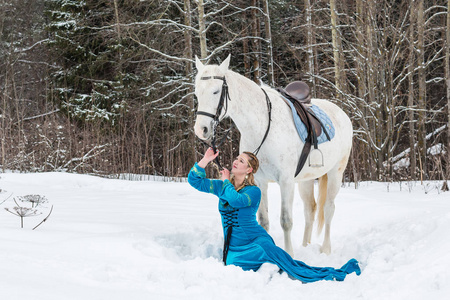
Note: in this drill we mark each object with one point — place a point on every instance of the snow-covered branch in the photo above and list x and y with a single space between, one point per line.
42 115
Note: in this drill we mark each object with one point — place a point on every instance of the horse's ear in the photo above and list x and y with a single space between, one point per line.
198 64
226 63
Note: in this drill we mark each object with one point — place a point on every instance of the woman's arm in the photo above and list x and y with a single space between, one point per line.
251 196
197 179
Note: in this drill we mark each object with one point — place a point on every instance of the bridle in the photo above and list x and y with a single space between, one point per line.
224 98
223 102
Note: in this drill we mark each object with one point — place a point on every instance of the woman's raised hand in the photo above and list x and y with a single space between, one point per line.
208 157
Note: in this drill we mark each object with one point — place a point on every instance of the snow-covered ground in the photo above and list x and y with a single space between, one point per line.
117 239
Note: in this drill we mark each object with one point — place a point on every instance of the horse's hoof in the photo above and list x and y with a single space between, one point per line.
306 243
325 249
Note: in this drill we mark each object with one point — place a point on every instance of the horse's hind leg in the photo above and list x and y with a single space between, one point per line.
263 211
306 191
287 198
333 184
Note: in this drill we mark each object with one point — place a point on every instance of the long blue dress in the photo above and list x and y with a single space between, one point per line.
247 244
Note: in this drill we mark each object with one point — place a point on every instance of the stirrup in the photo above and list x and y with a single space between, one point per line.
317 161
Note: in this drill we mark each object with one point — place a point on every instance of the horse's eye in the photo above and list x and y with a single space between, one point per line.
216 92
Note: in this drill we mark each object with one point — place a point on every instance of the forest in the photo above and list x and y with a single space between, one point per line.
106 87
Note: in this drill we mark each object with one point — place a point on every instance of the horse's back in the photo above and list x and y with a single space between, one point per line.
340 119
331 109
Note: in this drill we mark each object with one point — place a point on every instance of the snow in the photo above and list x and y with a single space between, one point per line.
402 160
118 239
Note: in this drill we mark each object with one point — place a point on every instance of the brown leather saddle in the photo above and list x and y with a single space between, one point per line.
298 94
299 90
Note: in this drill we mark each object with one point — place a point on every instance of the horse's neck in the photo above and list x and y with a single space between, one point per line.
248 107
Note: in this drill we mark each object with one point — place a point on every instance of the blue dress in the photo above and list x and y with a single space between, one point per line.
247 244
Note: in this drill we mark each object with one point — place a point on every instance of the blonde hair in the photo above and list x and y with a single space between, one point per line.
253 163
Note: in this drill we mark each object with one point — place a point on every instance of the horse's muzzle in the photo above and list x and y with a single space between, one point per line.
203 132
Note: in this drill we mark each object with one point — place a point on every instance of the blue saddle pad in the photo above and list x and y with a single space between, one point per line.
321 115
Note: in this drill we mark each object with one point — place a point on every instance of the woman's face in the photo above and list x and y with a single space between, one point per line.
241 165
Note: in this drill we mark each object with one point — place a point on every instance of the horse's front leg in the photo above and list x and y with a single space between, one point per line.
263 211
287 199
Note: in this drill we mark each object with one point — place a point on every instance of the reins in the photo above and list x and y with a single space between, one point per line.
223 102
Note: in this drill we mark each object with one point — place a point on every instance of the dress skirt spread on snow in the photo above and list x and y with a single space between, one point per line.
246 243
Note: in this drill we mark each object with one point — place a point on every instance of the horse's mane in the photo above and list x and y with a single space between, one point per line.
270 90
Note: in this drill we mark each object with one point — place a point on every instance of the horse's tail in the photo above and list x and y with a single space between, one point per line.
323 182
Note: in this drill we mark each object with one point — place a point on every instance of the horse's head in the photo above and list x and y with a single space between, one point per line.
208 88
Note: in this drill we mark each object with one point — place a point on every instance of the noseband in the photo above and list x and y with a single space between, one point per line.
223 101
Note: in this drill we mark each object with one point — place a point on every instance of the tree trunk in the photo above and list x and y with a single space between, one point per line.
268 31
202 29
371 78
336 49
116 13
4 116
256 43
358 150
310 39
188 53
422 88
119 36
360 55
412 120
447 77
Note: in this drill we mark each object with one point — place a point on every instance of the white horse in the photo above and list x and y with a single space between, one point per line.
281 150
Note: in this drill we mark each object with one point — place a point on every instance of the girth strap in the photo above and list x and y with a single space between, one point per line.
310 139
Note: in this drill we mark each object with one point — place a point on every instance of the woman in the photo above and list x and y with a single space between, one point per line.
246 243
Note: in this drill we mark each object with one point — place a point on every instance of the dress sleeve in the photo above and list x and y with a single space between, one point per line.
197 179
251 196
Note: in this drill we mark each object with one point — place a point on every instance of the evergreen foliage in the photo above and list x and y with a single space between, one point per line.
89 84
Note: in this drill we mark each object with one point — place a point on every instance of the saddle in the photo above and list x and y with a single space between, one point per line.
298 93
299 90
